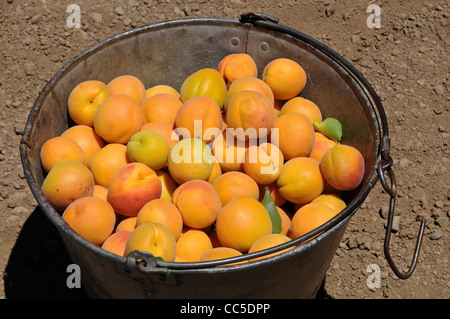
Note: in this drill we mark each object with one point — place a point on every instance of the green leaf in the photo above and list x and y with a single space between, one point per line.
330 127
272 210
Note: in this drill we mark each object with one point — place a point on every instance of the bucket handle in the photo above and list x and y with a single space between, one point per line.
385 163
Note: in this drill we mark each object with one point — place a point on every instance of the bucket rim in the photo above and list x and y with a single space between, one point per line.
360 82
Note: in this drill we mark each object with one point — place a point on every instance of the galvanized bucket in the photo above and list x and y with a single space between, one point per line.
165 53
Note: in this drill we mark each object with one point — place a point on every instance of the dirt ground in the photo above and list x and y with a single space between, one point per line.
405 60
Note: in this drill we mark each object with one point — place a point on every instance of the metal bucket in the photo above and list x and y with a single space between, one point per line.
165 53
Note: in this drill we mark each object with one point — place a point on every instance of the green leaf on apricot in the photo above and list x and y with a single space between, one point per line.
272 210
330 127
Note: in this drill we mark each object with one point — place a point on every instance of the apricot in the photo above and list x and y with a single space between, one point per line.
309 217
216 172
285 221
237 65
247 83
150 148
128 85
161 88
229 152
162 128
190 159
241 222
233 184
126 224
92 218
331 200
250 114
303 106
86 138
67 181
198 202
192 244
201 117
161 107
168 185
204 82
294 135
59 148
277 199
131 187
342 166
300 180
84 100
118 118
269 241
263 163
100 192
161 211
217 253
285 77
117 242
106 161
154 238
321 145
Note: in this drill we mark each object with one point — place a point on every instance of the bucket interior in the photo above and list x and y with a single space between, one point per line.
166 53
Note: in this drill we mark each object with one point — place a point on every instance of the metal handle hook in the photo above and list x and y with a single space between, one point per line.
386 164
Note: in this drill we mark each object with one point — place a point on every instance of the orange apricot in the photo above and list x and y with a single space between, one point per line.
92 218
229 151
263 163
100 192
294 135
118 118
303 106
86 137
309 217
154 238
198 203
161 88
128 85
342 166
233 184
217 253
241 222
126 224
333 201
67 181
321 145
59 148
237 65
285 77
201 117
269 241
192 244
84 100
300 180
251 115
250 83
161 211
161 107
106 161
131 187
168 185
117 242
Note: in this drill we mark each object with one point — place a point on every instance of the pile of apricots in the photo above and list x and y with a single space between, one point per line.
229 164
